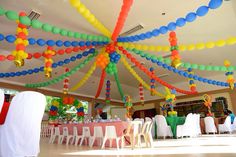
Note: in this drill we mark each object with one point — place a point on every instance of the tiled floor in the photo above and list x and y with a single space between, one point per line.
204 146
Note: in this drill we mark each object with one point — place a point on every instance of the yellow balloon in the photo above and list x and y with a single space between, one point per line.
144 47
166 48
191 47
226 63
151 48
158 48
210 44
200 46
81 8
220 43
138 46
14 53
182 47
231 41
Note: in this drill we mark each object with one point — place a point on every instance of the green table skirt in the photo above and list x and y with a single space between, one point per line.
173 122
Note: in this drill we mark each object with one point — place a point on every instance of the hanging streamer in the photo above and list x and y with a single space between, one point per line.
81 8
152 81
66 82
141 95
229 74
48 61
121 19
128 105
103 75
21 42
108 92
175 57
192 85
85 78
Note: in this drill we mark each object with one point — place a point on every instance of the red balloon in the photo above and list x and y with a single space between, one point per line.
37 55
21 35
29 56
60 52
22 13
172 34
68 50
10 57
2 58
76 49
48 64
20 47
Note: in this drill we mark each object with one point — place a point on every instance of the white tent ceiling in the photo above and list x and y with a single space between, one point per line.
217 24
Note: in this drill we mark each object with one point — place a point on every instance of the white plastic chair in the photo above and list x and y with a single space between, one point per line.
163 129
143 133
233 126
110 134
51 133
56 134
209 125
139 119
97 133
198 126
149 138
65 135
85 135
187 129
226 127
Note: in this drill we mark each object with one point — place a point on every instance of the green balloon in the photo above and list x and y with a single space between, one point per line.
64 32
231 68
187 65
90 37
216 68
12 15
2 11
83 36
223 68
36 24
77 35
167 61
194 66
100 38
94 38
208 67
47 28
202 67
160 59
55 30
25 20
70 34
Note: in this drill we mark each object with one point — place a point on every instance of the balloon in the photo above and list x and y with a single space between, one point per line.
201 11
190 17
47 27
163 29
36 24
180 22
12 15
213 4
25 20
171 26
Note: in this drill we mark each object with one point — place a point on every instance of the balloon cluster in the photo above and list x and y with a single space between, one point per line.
102 60
180 22
68 100
54 109
121 19
175 57
208 103
170 99
48 61
111 68
66 82
192 85
128 105
80 111
21 42
152 81
114 57
108 90
229 74
141 95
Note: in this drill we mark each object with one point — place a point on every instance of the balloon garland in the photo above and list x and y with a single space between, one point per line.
141 67
63 76
121 19
192 85
53 113
80 111
85 78
12 15
175 57
128 105
54 65
108 90
21 42
81 8
48 61
138 78
170 99
186 65
141 95
66 82
182 48
229 74
180 22
102 78
185 74
152 82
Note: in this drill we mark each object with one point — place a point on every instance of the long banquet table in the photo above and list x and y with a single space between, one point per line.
119 125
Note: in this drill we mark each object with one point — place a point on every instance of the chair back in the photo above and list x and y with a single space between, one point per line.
86 131
136 126
98 131
227 123
110 132
75 131
65 131
148 119
145 127
139 119
160 121
209 125
57 131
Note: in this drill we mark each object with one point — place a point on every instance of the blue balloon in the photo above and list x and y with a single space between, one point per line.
88 43
156 32
185 74
81 43
190 69
171 26
1 37
24 72
59 43
213 4
163 29
180 22
92 50
148 35
17 73
41 68
165 66
78 56
209 81
170 68
173 91
195 77
190 17
190 76
36 70
152 80
202 11
32 41
73 58
54 65
213 82
60 63
7 74
142 36
2 75
41 42
12 74
74 43
10 38
191 82
67 43
50 43
152 86
205 80
94 43
85 53
175 70
67 61
30 71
